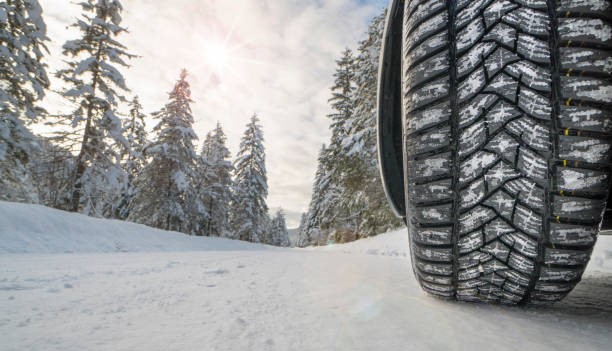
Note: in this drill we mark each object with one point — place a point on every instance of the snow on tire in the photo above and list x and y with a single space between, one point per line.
506 208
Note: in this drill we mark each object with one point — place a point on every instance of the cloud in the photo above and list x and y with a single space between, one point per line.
281 63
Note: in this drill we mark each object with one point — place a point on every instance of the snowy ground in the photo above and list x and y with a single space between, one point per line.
180 293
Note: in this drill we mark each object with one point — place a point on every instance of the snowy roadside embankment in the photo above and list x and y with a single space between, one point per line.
38 229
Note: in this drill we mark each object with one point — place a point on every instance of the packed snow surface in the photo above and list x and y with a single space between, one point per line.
69 282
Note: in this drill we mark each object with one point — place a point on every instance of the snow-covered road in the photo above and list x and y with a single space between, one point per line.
359 296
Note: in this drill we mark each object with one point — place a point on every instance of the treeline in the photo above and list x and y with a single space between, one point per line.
101 161
348 201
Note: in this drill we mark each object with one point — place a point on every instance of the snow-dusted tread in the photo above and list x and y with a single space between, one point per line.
508 133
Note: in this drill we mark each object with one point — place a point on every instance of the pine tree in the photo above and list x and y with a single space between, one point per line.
23 81
91 82
132 159
303 238
249 210
215 179
164 195
368 204
348 200
278 229
324 212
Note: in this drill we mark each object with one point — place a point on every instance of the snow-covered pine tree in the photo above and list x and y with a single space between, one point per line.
303 238
92 80
216 183
329 204
367 202
348 200
132 159
52 167
249 210
164 195
325 209
278 230
23 81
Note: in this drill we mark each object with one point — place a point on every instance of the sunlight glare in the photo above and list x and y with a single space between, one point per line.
217 56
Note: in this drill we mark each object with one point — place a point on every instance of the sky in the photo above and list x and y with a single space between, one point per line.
275 58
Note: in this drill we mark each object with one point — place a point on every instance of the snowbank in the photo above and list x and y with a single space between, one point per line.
37 229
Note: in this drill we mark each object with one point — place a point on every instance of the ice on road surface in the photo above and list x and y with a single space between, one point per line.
191 296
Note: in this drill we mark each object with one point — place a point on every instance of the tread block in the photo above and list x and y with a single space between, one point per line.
470 35
571 234
436 279
531 75
502 34
433 254
528 191
521 243
432 44
433 166
499 59
472 85
531 133
503 85
426 70
437 289
503 145
586 89
529 20
474 166
521 263
559 274
578 208
502 203
472 138
583 5
585 30
423 10
528 221
516 277
432 236
532 164
583 60
428 117
435 268
473 259
534 104
472 195
432 140
534 49
467 274
584 149
434 191
500 114
497 250
428 93
474 218
472 110
473 58
496 229
497 10
553 287
433 214
426 29
586 118
566 257
500 174
470 242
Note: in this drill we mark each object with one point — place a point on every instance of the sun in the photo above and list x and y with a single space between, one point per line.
216 55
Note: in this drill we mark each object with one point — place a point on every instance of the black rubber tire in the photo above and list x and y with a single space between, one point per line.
507 136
